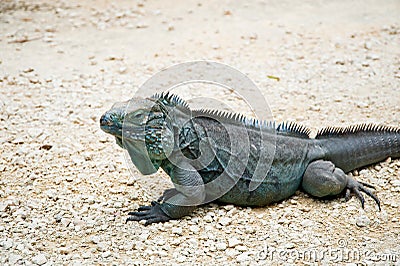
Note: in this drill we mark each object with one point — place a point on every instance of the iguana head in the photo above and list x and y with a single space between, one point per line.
144 127
112 121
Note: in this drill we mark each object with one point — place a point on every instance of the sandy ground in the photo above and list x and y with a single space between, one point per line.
65 186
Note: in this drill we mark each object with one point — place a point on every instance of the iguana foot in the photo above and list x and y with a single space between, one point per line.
357 187
169 193
151 214
323 178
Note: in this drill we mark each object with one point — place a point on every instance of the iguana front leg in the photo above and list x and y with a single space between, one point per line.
188 193
322 178
167 194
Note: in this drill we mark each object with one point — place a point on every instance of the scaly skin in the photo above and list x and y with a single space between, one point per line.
213 156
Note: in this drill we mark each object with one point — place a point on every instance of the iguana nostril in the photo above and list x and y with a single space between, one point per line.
103 120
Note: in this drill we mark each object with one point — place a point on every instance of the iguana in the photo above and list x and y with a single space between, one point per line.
162 131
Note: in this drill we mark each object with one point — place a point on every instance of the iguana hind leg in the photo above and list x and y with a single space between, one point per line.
323 178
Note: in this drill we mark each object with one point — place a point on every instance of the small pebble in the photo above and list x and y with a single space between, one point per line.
7 243
194 228
13 258
233 242
224 221
221 246
177 230
39 259
363 221
243 257
106 254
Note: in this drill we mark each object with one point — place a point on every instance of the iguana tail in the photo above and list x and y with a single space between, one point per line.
356 146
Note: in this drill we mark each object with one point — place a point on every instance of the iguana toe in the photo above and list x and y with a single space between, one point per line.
357 187
144 208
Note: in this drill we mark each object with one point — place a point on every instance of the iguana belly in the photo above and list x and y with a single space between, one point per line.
278 185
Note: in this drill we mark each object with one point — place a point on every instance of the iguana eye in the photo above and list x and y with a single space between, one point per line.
138 115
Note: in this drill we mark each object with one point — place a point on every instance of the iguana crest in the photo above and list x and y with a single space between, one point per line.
285 128
361 129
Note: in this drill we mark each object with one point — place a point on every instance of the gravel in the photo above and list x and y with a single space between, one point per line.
66 187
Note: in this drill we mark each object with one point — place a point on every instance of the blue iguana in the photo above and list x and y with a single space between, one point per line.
162 131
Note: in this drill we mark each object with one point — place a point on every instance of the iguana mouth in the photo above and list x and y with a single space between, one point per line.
108 125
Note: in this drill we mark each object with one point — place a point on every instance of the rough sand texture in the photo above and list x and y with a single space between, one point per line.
65 187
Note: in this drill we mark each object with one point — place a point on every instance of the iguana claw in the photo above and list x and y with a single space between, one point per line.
358 187
151 214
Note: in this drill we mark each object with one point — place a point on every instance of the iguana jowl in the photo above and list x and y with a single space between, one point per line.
161 131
